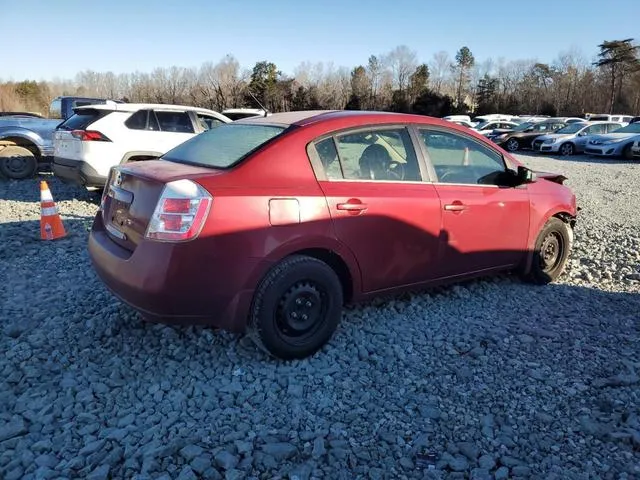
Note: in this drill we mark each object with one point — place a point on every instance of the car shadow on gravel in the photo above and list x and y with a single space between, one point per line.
28 190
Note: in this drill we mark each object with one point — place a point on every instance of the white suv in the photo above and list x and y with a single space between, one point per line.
98 137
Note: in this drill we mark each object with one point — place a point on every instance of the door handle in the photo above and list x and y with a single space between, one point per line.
455 207
352 207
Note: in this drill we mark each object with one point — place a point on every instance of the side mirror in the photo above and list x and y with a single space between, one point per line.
524 175
530 129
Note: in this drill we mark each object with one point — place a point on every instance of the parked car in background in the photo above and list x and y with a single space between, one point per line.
239 113
21 114
605 117
486 127
30 142
463 123
458 118
494 117
521 136
265 224
62 107
99 137
572 138
615 144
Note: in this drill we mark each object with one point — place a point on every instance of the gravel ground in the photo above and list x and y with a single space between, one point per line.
490 379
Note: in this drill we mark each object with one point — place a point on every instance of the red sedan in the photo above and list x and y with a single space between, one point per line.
270 224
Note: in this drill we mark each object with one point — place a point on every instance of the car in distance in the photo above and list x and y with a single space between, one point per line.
485 128
523 135
615 144
270 224
572 138
98 137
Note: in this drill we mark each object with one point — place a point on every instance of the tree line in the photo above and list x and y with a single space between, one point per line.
394 81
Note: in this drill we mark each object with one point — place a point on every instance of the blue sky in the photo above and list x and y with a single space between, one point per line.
59 38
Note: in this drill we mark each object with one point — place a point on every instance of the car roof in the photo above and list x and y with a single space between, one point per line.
307 117
134 107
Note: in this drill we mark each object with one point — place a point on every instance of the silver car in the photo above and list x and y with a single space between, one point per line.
573 138
615 144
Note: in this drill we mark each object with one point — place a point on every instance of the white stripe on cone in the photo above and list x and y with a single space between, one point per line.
46 196
48 211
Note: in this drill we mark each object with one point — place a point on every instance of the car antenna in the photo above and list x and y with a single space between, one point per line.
258 102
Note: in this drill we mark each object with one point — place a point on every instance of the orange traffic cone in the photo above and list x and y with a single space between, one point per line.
51 226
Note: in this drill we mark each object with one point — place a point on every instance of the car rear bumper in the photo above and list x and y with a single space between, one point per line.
170 283
77 171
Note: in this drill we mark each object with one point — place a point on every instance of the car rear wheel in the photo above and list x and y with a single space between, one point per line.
551 252
17 163
296 308
627 154
566 149
513 145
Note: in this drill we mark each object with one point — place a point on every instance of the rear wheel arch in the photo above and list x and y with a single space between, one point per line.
337 264
24 143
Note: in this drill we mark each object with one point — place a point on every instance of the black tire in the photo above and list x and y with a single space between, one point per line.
296 308
567 149
17 163
551 252
513 145
627 154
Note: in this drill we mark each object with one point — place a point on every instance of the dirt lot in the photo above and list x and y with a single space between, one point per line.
494 378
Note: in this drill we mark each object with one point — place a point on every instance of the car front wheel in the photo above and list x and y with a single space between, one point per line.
566 149
550 253
296 308
513 145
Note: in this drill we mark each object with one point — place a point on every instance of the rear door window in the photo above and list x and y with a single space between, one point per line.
379 154
178 122
83 118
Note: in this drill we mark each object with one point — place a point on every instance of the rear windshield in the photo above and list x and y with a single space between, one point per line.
224 146
82 119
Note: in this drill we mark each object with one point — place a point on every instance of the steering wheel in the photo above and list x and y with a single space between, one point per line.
446 174
396 170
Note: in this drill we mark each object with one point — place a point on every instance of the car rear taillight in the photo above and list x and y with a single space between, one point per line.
89 136
180 213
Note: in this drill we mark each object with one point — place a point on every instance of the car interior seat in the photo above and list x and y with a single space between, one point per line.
374 163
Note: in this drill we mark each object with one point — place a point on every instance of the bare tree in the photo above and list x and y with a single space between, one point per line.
439 67
402 61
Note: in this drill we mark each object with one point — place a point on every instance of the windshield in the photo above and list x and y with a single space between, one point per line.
572 128
223 146
523 126
482 125
631 128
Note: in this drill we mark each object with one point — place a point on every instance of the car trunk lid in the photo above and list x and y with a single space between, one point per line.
132 193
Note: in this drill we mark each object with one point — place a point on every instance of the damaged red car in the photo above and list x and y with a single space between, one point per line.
269 225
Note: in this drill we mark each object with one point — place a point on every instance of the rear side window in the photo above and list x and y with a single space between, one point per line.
178 122
83 118
208 122
224 146
143 120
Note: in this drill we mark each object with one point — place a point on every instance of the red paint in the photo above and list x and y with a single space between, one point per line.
390 235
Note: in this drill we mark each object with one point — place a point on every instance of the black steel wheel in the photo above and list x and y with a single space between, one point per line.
296 308
17 162
551 252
